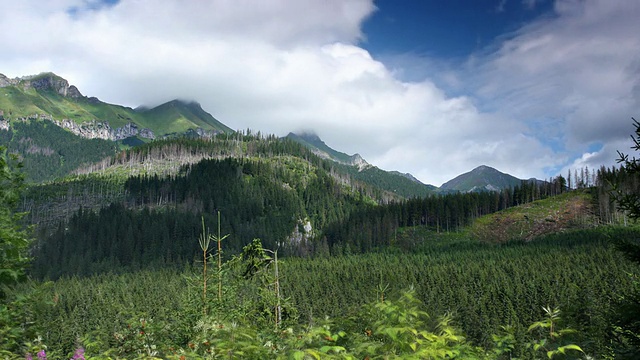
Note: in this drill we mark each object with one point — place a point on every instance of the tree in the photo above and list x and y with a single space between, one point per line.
14 241
628 310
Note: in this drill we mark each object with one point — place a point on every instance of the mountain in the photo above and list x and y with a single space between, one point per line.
170 117
318 147
482 178
48 96
404 185
407 175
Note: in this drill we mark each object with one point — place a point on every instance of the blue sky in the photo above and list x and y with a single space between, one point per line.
445 29
431 87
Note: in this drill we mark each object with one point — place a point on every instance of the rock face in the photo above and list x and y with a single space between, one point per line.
49 81
302 232
73 92
44 81
5 81
102 130
359 162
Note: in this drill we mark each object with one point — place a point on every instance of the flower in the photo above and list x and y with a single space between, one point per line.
42 355
79 354
28 356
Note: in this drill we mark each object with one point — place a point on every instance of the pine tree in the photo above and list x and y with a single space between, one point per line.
13 238
628 311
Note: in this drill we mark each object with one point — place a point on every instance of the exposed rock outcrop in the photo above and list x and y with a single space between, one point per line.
102 130
44 81
359 162
50 81
5 81
302 232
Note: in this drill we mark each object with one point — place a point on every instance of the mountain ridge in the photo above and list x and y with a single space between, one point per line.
313 142
51 97
405 185
47 96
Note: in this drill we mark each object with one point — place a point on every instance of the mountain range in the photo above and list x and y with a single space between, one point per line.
49 97
30 100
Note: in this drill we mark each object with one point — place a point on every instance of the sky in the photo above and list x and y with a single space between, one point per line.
434 88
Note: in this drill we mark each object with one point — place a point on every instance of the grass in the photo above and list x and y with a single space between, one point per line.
170 118
570 210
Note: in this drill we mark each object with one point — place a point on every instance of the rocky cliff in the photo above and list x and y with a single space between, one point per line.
102 130
44 81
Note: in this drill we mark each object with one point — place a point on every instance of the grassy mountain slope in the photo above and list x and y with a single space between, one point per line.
175 116
52 95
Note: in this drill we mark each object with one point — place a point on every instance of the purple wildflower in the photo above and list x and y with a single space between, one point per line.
79 354
42 355
28 357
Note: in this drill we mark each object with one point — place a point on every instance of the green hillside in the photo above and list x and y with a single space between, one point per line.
50 96
176 116
568 211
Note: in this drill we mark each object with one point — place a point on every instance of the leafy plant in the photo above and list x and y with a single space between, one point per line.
552 339
403 330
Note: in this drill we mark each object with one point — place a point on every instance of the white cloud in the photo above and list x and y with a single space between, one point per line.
578 69
280 66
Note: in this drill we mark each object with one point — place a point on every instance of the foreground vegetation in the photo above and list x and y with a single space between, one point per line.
466 298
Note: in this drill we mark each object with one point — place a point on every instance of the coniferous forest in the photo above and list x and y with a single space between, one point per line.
249 246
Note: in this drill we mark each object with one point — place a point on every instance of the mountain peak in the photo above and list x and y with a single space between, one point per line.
309 136
408 176
43 82
482 178
52 97
313 142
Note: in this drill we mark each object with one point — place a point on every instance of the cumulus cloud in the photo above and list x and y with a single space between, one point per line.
279 66
578 67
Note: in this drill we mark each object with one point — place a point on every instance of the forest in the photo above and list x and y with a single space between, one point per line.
306 261
48 151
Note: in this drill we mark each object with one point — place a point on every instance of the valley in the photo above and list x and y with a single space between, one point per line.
180 238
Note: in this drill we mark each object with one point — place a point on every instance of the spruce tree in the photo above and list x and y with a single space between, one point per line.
628 310
13 238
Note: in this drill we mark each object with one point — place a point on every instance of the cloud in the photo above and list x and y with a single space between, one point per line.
527 108
577 69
